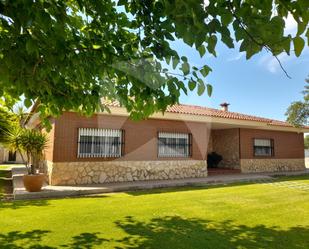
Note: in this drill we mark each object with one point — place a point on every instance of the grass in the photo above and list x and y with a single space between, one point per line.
9 166
243 216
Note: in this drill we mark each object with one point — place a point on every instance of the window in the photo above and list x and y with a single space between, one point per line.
100 142
263 147
174 144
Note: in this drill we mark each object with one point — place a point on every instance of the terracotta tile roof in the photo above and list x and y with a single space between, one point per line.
211 112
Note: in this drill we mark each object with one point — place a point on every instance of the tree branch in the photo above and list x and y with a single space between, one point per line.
268 49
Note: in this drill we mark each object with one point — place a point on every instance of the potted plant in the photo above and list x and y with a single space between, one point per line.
30 144
33 144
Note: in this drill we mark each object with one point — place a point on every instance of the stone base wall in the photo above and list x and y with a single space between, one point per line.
271 165
72 173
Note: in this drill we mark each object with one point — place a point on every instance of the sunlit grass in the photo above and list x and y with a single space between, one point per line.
9 166
248 215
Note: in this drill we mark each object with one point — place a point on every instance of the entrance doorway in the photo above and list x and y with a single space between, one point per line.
12 156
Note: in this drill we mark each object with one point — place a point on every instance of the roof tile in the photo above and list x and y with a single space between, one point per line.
211 112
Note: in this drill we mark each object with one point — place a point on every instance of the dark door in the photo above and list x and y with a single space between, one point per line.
12 156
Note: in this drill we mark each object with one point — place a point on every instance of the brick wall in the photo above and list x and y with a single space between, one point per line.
288 151
286 144
140 137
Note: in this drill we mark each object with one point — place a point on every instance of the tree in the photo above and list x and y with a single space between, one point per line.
68 54
298 111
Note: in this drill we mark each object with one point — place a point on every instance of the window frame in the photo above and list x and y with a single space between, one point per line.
272 147
99 132
188 144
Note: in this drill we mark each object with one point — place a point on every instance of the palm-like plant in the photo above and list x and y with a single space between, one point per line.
7 121
32 143
15 137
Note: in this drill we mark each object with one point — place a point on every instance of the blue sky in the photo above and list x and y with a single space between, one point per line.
257 86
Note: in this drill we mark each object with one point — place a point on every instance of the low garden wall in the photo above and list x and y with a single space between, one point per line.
73 173
271 165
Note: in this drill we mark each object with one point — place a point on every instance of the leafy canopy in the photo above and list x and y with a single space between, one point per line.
298 111
69 54
7 121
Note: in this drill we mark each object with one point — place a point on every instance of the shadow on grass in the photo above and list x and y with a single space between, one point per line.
18 239
33 240
21 204
179 233
16 204
171 232
85 241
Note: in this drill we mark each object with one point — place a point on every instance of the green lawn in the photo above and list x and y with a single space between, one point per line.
271 215
9 166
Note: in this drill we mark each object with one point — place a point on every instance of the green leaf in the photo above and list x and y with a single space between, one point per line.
205 70
96 46
175 61
27 103
185 68
169 36
212 42
122 2
200 87
31 46
201 49
287 44
191 85
168 59
299 44
184 58
209 90
249 47
307 34
228 41
301 27
238 31
182 86
226 18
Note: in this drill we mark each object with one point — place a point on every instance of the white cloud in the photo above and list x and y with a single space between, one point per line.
271 64
237 57
290 25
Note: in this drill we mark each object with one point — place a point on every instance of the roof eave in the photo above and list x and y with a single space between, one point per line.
120 111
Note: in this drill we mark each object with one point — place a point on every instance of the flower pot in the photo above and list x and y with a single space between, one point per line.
33 183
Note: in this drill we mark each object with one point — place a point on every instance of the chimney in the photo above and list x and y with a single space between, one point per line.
225 107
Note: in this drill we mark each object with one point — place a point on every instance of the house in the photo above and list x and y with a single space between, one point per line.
7 156
112 148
